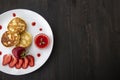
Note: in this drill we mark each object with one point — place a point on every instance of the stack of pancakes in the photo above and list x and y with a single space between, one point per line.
16 34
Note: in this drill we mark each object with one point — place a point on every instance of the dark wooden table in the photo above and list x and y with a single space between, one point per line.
87 39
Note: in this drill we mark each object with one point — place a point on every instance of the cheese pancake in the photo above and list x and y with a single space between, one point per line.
17 25
25 40
10 38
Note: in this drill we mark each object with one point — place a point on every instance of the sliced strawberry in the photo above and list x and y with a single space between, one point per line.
19 63
25 63
13 62
31 60
6 59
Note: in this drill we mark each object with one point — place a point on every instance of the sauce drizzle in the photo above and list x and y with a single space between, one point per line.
40 29
38 54
0 53
33 23
0 27
14 15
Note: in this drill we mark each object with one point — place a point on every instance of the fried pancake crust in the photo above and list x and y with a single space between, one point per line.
17 25
10 38
25 39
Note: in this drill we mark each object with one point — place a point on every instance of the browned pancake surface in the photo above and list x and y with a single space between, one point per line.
17 25
10 38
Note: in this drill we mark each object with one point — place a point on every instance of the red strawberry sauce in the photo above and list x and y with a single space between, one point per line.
0 27
33 23
41 40
0 53
14 15
40 29
38 54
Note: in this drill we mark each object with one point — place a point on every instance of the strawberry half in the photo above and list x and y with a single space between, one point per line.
19 64
19 52
31 60
13 62
25 62
6 59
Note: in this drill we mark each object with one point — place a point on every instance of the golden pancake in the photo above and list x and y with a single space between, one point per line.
25 40
10 38
17 25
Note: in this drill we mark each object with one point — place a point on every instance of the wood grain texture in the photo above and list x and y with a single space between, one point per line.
86 33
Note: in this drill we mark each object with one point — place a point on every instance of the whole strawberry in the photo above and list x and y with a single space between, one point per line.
19 52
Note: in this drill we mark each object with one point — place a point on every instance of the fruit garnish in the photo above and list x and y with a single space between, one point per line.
31 60
19 63
19 52
13 62
17 25
25 62
41 40
10 38
25 40
6 59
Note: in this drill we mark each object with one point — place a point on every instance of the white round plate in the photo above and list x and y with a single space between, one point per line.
29 17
